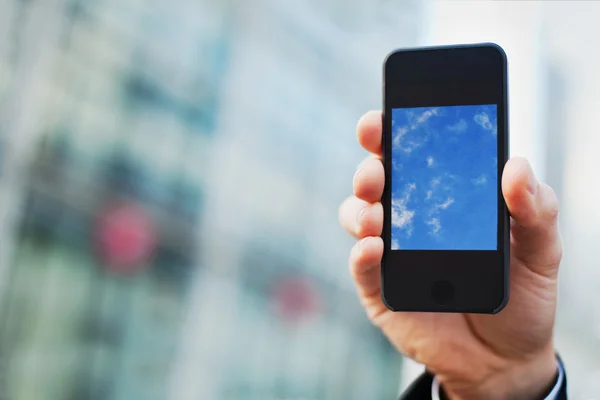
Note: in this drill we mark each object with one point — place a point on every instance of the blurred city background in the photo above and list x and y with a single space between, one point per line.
170 173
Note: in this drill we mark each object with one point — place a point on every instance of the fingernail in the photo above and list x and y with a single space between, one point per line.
359 169
532 182
357 248
362 243
360 217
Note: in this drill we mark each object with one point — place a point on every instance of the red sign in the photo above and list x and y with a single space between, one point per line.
296 299
125 237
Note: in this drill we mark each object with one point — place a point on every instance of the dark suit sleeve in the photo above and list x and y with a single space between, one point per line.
421 389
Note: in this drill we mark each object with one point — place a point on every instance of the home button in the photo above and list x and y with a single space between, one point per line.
442 292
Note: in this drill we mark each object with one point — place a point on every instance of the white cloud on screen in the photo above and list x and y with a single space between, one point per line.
426 115
400 132
429 161
447 203
438 198
483 120
395 245
410 146
399 141
433 184
434 222
435 225
482 180
402 216
458 127
442 206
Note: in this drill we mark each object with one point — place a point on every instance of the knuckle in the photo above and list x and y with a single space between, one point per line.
354 254
555 252
551 206
344 211
355 258
341 209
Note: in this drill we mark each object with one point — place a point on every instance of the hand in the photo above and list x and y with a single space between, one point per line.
509 355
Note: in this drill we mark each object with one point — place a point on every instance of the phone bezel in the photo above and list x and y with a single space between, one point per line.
442 76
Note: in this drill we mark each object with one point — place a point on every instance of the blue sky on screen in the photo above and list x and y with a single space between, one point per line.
444 178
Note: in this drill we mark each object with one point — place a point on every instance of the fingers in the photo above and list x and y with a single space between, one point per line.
362 215
533 207
369 180
360 218
365 265
368 132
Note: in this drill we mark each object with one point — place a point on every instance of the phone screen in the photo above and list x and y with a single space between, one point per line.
445 143
444 178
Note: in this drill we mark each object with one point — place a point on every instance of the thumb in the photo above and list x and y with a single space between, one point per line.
535 239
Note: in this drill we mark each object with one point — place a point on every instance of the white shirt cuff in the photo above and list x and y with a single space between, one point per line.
435 386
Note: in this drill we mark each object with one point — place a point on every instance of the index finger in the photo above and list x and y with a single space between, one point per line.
368 132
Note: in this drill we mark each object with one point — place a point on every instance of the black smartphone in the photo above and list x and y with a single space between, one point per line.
445 143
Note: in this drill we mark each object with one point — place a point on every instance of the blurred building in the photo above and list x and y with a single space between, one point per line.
572 32
170 188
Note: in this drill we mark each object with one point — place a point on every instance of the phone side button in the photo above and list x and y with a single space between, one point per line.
442 292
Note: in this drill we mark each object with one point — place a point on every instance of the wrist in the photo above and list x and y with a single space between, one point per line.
530 380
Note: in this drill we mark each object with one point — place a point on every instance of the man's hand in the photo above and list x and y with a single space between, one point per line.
505 356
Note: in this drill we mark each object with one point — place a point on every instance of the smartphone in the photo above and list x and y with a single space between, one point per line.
445 143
